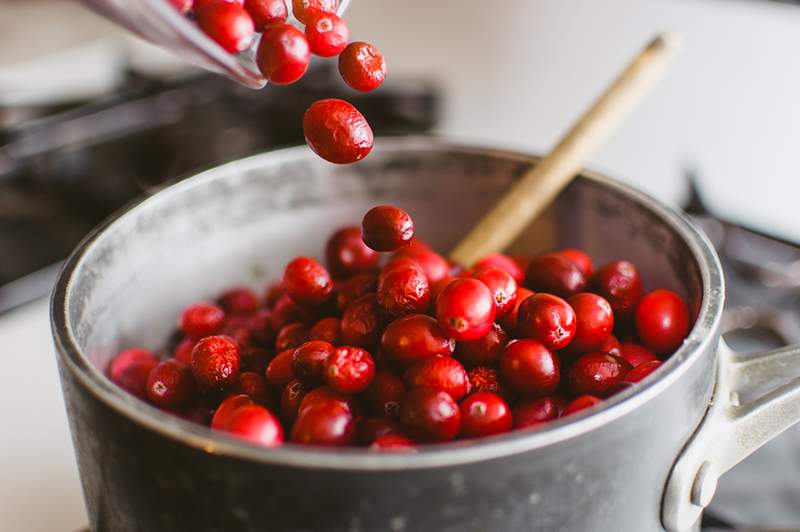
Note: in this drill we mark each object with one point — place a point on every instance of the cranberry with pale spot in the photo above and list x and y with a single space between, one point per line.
465 309
170 384
503 288
484 414
548 319
349 370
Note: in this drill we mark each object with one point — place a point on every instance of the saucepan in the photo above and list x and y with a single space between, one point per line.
647 459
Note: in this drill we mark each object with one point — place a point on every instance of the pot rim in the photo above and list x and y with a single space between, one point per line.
429 456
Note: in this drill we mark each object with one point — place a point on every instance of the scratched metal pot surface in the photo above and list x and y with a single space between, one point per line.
143 470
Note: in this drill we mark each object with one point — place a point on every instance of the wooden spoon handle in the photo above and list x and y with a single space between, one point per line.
537 188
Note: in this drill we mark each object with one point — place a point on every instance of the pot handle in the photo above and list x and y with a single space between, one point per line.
731 431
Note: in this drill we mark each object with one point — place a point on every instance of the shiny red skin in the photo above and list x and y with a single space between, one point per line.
485 351
441 373
266 12
437 287
597 374
465 309
239 327
621 285
283 54
326 329
636 354
582 260
430 415
170 384
370 429
202 319
325 394
484 414
509 322
337 131
384 395
285 312
326 423
349 370
252 385
327 34
662 321
548 319
355 287
280 371
554 274
128 357
403 291
387 228
215 362
257 425
534 412
642 370
226 23
262 332
308 360
302 8
362 66
226 409
362 322
503 288
291 398
503 262
611 346
433 265
254 359
346 254
581 403
595 322
413 338
483 379
530 368
183 351
239 301
307 282
393 443
133 378
291 336
273 294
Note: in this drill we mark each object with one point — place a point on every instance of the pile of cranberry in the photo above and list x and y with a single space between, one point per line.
333 128
416 351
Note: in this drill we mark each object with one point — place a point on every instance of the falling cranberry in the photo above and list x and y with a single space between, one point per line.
202 319
441 373
662 321
227 23
346 254
384 395
337 132
547 318
430 415
503 288
485 351
283 54
362 66
325 423
595 321
215 362
404 290
301 9
413 338
307 282
349 370
266 12
597 374
535 412
581 403
530 368
503 262
327 34
226 409
555 274
170 384
308 360
387 228
280 370
484 414
642 370
362 321
465 309
636 354
257 425
620 284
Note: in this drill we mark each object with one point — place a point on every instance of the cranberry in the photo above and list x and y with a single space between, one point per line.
283 54
202 319
533 412
215 362
620 284
307 282
280 371
642 370
228 24
611 346
337 132
437 287
503 288
257 425
302 8
361 322
547 318
326 329
465 309
393 442
182 5
238 327
346 253
530 368
309 359
349 370
362 66
441 373
252 385
485 351
555 274
170 384
324 394
433 265
273 294
291 336
595 321
266 12
636 354
484 414
239 301
327 34
412 338
581 403
483 379
504 262
291 399
133 378
255 359
183 351
509 322
324 423
226 409
127 358
384 395
370 429
404 290
387 228
597 373
355 287
662 321
430 415
580 259
261 331
285 312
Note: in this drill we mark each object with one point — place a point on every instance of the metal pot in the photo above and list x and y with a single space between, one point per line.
647 459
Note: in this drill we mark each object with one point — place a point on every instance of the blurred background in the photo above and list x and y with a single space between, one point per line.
91 118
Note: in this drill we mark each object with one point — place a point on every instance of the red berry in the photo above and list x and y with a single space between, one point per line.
597 374
642 370
485 351
308 360
266 12
200 4
239 301
509 322
384 395
362 66
307 282
437 287
581 260
483 379
441 373
554 274
252 385
257 425
327 34
662 321
620 284
291 336
226 409
285 312
361 322
581 403
484 414
202 319
503 288
238 327
387 228
547 318
183 351
302 8
404 290
611 346
228 24
337 131
324 423
413 338
126 358
215 362
324 394
465 309
636 354
430 415
349 370
503 262
133 379
254 359
280 371
355 287
533 412
170 384
346 253
393 443
291 398
530 368
433 265
182 5
283 54
370 429
273 294
326 329
595 321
